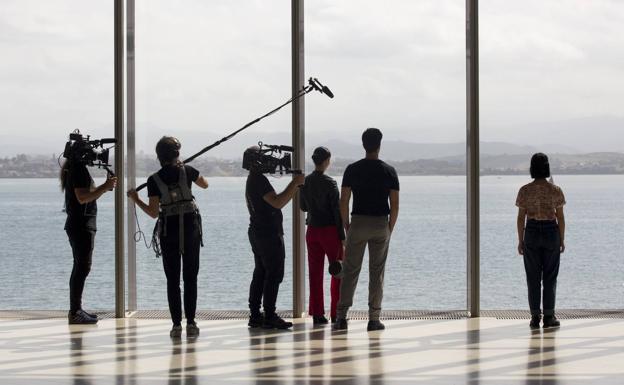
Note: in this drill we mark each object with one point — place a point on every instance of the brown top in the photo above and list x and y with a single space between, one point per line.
540 199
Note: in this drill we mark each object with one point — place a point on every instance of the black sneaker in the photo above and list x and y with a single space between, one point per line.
192 330
375 325
340 324
80 317
333 320
550 321
255 320
176 331
535 322
276 322
92 315
319 320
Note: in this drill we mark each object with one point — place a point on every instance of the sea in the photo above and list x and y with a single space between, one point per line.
426 267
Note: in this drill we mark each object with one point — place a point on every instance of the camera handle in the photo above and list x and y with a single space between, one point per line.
312 86
108 170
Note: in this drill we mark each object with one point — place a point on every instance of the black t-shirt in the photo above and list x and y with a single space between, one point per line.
169 174
370 181
79 216
264 219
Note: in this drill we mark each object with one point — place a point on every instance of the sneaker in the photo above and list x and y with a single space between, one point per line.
375 325
192 330
92 315
255 320
176 331
80 317
276 322
535 322
340 324
550 321
333 320
319 320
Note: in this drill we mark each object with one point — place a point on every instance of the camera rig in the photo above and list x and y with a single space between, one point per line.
81 149
269 159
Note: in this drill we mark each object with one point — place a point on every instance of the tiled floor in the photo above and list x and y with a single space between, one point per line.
477 351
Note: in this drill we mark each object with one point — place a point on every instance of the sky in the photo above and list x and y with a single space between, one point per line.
551 71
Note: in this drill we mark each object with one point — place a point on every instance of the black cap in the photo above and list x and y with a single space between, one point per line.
320 155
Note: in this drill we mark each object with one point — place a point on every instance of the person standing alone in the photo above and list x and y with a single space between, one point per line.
375 188
321 200
541 233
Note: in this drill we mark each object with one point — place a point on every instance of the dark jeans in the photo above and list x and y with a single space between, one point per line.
541 263
188 262
81 242
268 273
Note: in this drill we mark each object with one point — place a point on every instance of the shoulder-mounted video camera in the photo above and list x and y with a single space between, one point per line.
81 149
269 159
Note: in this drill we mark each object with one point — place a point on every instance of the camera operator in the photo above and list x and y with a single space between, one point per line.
266 237
81 208
179 229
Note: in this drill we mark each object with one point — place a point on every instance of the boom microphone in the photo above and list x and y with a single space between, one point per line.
318 86
324 89
328 92
108 140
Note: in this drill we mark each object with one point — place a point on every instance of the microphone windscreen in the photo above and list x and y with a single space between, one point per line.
328 92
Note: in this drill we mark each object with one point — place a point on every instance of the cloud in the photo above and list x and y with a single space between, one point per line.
210 66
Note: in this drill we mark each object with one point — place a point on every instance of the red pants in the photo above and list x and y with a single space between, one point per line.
322 241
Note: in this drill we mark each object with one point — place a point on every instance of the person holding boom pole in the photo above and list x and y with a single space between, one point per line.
179 229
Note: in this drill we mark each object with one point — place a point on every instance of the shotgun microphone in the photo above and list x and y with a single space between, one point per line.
318 86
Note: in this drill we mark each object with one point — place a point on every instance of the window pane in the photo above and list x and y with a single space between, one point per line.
57 75
552 81
399 66
203 70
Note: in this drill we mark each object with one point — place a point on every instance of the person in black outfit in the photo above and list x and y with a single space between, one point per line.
266 237
81 208
325 234
179 229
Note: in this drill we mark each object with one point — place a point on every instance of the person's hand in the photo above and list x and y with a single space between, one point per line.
561 246
298 179
133 195
111 183
521 247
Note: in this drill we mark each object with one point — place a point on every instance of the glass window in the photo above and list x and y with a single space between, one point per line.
552 81
203 70
400 67
57 75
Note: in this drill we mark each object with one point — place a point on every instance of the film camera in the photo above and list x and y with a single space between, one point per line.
269 159
82 149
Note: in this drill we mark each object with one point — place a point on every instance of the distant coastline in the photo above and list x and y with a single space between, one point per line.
604 163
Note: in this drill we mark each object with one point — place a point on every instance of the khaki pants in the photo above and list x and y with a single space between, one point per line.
374 232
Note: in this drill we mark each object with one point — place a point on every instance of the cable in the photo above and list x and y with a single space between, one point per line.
139 234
